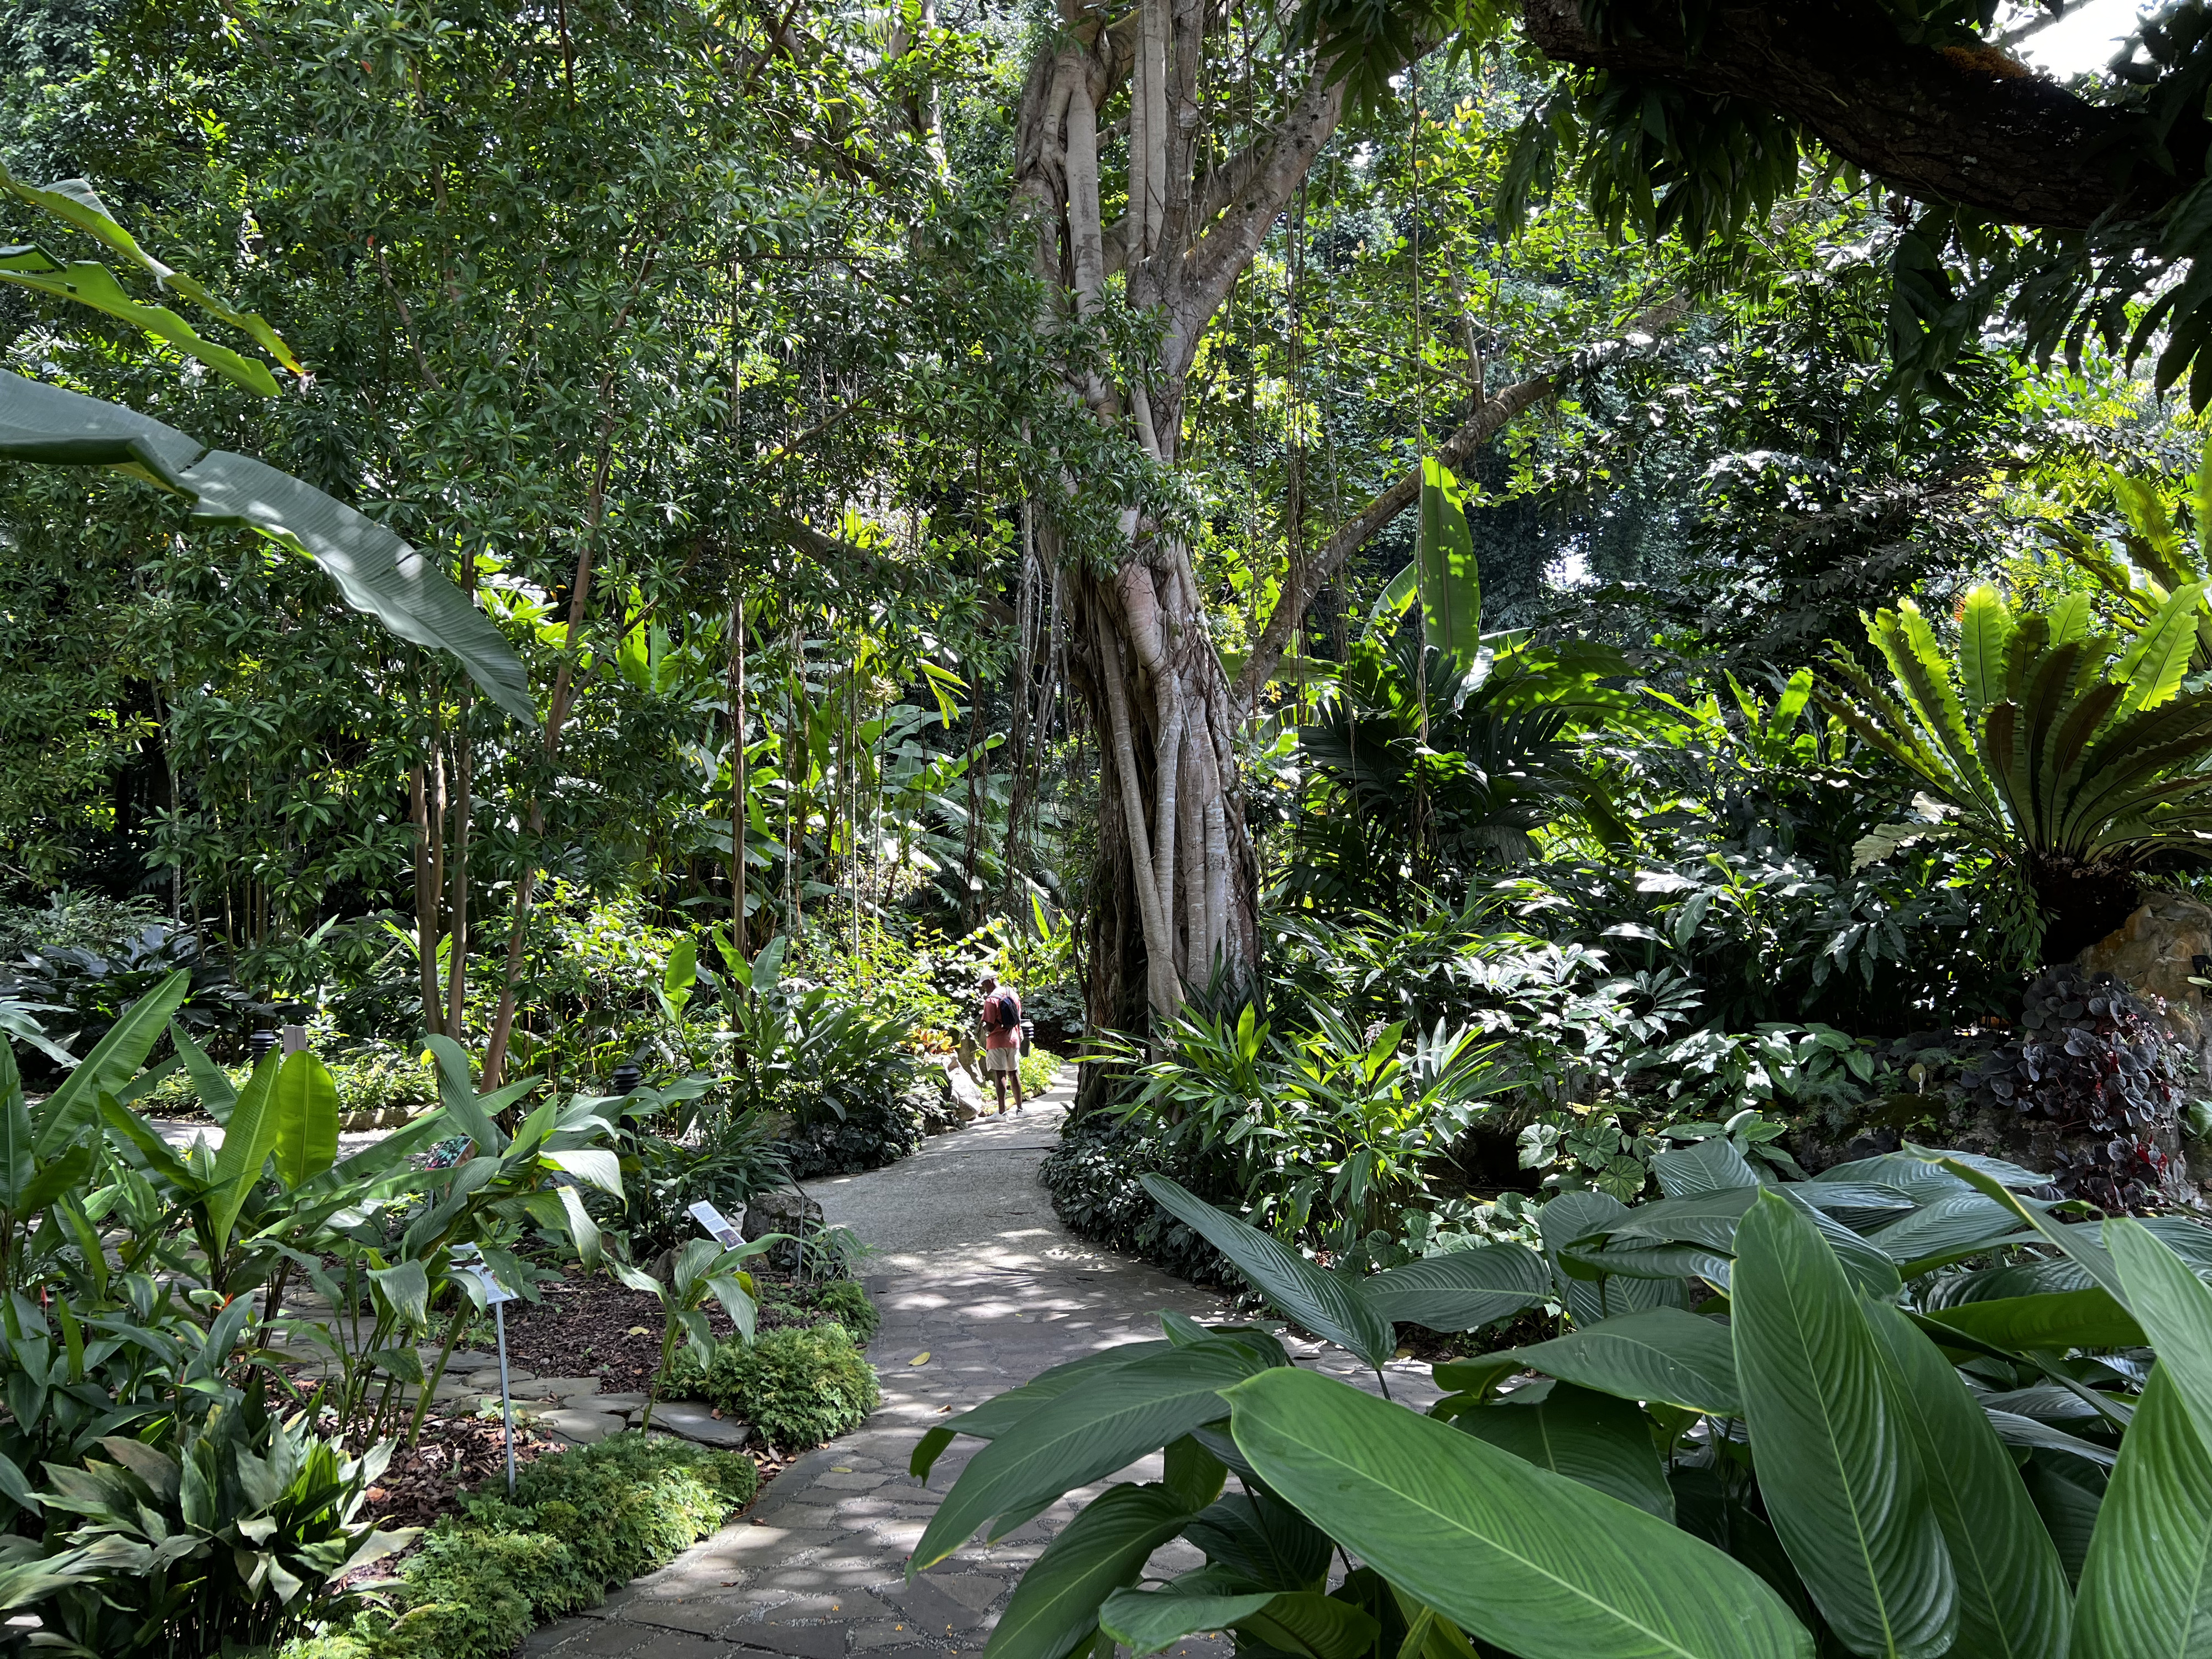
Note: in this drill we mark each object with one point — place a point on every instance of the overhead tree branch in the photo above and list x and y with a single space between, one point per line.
1304 582
1961 125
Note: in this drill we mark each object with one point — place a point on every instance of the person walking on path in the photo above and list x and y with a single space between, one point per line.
1002 1040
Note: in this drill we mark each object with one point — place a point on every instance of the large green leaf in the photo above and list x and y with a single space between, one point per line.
1985 628
1837 1467
18 1162
1398 595
2154 664
406 1286
2068 1506
2056 1320
1082 1435
1662 1353
457 1090
1326 1304
91 284
1461 1290
376 572
1056 1605
217 1095
1707 1217
1002 1410
1541 1566
305 1104
75 201
248 1139
1956 1224
2147 1582
113 1061
2086 1252
1303 1623
57 1176
2175 1307
1450 583
1711 1165
1263 1540
1863 1264
1604 1443
2013 1602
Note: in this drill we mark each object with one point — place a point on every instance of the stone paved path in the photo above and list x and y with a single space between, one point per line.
977 1274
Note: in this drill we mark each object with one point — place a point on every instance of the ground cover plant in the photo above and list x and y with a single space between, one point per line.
582 1520
801 1385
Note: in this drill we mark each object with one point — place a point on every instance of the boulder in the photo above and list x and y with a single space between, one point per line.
969 1100
2154 953
787 1210
946 1095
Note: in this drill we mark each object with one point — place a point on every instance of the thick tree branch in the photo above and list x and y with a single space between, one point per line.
841 557
1305 582
1945 124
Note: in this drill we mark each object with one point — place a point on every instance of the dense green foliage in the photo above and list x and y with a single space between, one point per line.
799 1385
582 1520
1541 653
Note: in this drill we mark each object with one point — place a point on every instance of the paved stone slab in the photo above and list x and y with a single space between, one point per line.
697 1423
978 1272
581 1428
568 1387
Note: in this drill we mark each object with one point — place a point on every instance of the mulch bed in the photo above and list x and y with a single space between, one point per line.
587 1325
458 1454
454 1453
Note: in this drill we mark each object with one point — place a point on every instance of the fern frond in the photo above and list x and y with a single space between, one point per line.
1987 629
2153 666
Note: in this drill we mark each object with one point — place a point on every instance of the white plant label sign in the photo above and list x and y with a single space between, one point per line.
716 1225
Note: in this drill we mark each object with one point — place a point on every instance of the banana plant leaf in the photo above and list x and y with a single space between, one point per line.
1450 585
1520 1558
376 572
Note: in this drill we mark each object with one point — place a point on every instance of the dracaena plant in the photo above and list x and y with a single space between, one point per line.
2074 756
1902 1410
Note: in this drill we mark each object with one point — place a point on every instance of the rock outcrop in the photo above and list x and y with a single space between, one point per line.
2155 953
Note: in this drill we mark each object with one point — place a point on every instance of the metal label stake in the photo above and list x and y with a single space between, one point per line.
467 1259
506 1397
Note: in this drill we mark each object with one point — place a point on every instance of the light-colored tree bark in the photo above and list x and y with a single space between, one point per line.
1176 900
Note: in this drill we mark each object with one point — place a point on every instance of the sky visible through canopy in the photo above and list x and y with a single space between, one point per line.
2084 38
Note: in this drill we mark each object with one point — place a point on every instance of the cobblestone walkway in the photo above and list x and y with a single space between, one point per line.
977 1274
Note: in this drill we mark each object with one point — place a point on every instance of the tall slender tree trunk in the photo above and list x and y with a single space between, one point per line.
740 814
463 807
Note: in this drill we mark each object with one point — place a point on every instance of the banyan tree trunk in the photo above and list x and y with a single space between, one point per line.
1176 893
1176 897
